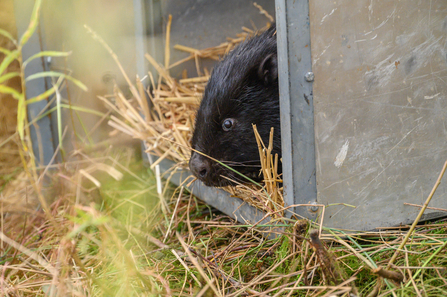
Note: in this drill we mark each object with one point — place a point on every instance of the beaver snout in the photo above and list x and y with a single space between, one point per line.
199 166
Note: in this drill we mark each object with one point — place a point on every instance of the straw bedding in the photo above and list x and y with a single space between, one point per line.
167 127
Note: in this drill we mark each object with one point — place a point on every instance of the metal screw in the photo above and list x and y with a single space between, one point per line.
309 76
314 208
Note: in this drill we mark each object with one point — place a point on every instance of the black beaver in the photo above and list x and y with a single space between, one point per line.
242 90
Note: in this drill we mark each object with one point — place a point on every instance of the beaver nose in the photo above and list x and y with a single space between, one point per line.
199 166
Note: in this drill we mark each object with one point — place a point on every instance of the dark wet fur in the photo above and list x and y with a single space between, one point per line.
244 87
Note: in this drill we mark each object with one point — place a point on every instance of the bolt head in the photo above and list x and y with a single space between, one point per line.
309 76
314 208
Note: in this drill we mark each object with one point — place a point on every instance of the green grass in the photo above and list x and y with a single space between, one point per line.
101 247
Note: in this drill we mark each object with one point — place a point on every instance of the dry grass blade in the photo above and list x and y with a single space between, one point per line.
327 261
175 253
421 212
168 39
263 11
269 167
197 265
29 253
388 274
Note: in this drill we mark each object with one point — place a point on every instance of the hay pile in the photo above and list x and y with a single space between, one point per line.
166 127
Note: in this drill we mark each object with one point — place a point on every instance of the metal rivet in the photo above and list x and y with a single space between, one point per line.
312 208
309 76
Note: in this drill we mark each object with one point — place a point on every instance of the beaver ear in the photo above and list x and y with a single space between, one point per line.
268 70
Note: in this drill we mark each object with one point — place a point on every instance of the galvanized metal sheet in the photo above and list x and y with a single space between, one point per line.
380 108
201 24
296 104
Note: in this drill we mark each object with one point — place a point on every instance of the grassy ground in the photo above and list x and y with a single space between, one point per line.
97 226
114 240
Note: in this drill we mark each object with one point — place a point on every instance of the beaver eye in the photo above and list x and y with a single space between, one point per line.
227 124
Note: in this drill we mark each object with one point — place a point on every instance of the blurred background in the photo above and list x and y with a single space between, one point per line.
131 29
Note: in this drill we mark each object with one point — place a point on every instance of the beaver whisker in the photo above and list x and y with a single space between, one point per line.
231 180
241 162
240 165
